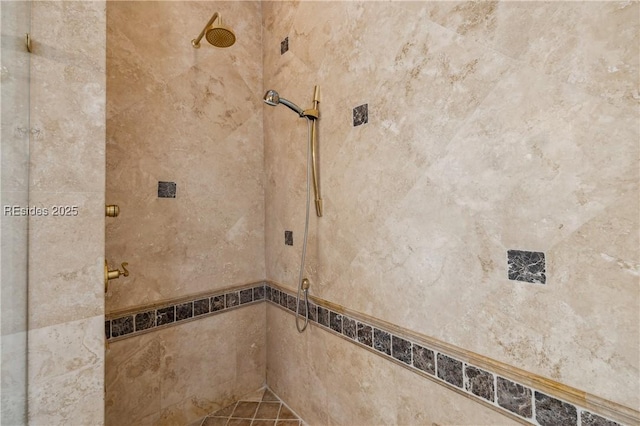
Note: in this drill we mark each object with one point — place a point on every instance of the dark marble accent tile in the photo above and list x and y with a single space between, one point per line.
291 303
184 311
217 303
590 419
423 359
349 328
284 297
200 307
107 329
514 397
231 299
145 320
246 296
450 370
401 349
166 190
528 266
288 238
313 312
284 45
360 115
268 293
365 334
335 321
382 341
553 412
165 315
302 307
258 293
121 326
276 296
479 383
323 316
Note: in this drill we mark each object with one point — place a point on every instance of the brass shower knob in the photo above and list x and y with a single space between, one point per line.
112 210
114 273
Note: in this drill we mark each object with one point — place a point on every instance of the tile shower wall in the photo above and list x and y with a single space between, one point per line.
491 127
152 379
185 165
184 150
66 290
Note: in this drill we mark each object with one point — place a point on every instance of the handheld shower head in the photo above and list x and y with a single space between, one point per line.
273 98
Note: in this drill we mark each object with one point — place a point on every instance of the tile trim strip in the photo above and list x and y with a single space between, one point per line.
464 372
534 386
134 322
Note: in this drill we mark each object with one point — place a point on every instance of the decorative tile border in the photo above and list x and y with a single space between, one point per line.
518 394
134 322
519 401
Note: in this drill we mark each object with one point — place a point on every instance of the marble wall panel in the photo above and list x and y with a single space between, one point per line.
491 127
333 383
164 377
193 117
66 268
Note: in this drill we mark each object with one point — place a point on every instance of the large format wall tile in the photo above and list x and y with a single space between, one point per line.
491 127
164 377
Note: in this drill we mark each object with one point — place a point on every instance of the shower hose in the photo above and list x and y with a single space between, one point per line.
304 243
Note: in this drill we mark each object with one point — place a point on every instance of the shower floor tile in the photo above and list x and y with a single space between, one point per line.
266 410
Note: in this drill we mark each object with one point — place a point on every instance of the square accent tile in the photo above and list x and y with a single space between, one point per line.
553 412
450 370
217 303
232 299
423 359
184 311
165 315
200 307
335 321
121 326
528 266
360 115
514 397
145 320
349 327
401 349
365 334
166 190
284 45
382 341
246 296
479 382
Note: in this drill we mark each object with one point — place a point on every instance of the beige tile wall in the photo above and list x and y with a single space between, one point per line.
333 383
152 379
190 116
66 296
492 126
194 117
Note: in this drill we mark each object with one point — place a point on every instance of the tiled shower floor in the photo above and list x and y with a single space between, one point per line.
265 409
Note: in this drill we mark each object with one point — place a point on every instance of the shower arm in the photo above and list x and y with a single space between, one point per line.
196 42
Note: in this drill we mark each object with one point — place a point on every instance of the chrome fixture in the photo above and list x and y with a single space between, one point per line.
218 35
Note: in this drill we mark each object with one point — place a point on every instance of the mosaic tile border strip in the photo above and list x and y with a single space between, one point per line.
520 401
489 386
132 323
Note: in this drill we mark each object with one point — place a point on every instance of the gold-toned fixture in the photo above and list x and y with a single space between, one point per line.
113 273
273 98
218 35
28 42
112 210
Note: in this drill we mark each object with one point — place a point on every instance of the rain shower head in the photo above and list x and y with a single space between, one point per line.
216 34
272 98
